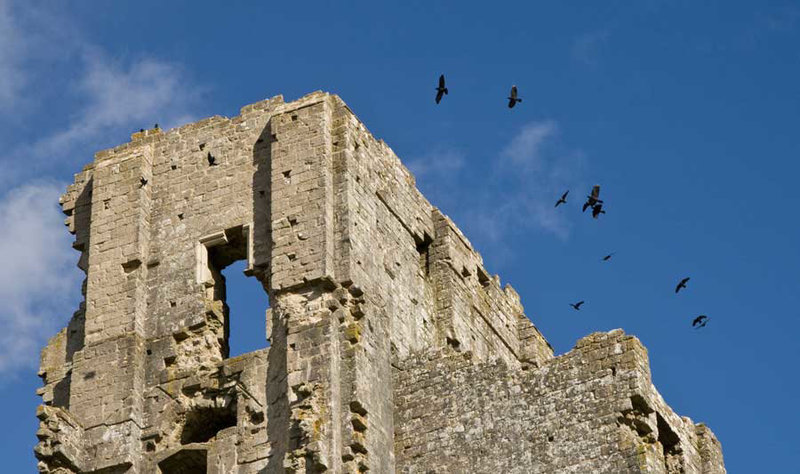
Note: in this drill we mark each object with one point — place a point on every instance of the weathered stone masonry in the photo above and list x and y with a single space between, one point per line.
391 349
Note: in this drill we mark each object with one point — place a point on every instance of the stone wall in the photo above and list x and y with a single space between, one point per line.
593 409
376 299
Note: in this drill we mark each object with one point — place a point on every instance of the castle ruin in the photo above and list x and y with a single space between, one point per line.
389 347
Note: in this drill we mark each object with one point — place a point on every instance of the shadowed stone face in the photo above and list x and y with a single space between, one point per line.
391 348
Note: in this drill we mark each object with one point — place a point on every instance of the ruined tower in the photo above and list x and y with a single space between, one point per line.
390 348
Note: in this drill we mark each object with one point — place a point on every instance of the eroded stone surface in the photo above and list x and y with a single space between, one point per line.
391 349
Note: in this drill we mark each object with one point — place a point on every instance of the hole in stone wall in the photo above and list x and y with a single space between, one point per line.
131 265
203 424
666 436
247 302
423 248
454 343
483 277
185 461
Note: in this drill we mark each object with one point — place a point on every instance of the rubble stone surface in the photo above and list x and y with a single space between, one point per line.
389 347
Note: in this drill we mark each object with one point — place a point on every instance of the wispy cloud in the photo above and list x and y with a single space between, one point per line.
108 97
525 148
534 172
518 193
38 275
588 47
437 164
116 96
438 173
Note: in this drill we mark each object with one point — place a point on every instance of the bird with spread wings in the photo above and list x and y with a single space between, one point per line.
441 90
513 99
593 198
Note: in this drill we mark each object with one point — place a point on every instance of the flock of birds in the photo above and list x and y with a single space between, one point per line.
593 200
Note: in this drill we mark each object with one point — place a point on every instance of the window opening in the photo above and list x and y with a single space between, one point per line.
247 302
237 300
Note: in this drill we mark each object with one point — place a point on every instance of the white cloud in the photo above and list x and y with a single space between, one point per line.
439 163
38 276
118 97
525 149
538 173
108 97
528 175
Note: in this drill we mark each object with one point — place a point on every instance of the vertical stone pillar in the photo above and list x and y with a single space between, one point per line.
365 389
108 374
301 278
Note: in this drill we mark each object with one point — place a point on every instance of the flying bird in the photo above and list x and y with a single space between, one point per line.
563 199
212 160
577 306
681 284
142 182
592 198
441 90
597 209
700 321
512 99
608 257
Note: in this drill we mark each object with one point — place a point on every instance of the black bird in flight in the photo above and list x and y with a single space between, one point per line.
441 90
142 182
212 160
592 198
700 321
563 199
577 306
608 257
597 209
681 284
512 99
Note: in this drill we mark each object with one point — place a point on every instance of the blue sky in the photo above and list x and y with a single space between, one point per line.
685 112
